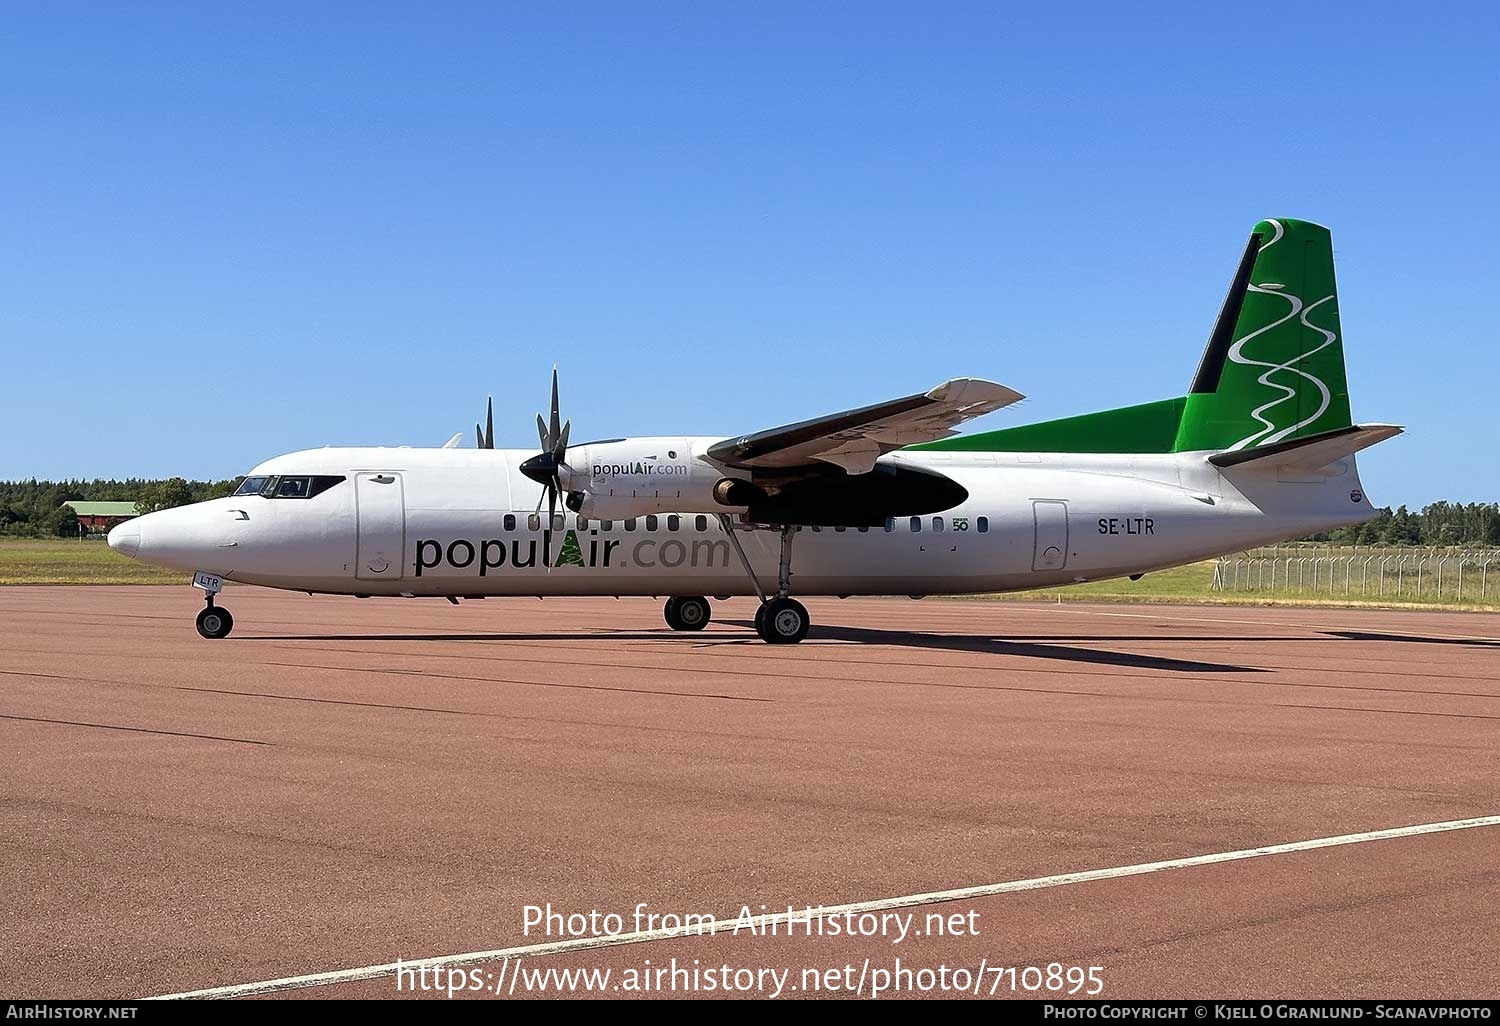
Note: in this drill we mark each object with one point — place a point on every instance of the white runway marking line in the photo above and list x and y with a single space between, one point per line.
370 972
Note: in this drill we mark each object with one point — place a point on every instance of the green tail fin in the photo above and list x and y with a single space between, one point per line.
1274 367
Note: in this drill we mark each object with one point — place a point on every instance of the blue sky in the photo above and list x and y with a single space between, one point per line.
230 232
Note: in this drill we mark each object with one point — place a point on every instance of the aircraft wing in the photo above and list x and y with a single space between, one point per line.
855 439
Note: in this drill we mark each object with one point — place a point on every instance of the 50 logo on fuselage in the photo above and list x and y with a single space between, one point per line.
527 551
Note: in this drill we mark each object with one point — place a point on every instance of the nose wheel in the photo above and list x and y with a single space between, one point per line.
687 612
215 621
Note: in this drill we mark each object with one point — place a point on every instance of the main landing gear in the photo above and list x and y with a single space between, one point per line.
687 612
781 619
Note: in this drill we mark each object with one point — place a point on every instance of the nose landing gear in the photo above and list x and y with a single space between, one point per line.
215 621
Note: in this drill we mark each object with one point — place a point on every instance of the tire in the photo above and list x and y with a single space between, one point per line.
687 612
693 613
782 621
215 622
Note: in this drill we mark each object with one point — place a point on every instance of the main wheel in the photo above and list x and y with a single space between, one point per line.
782 621
215 622
687 613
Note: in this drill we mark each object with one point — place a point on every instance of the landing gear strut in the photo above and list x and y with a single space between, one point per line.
214 621
781 619
687 612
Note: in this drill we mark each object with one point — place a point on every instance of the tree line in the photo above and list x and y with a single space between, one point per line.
1436 524
35 508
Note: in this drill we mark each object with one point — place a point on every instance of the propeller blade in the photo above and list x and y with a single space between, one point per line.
543 468
489 423
553 424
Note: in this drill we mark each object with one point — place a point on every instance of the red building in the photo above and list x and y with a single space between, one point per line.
97 517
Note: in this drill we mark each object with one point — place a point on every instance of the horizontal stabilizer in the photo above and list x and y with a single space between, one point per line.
1311 452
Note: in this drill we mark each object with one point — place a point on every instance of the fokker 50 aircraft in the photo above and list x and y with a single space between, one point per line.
885 499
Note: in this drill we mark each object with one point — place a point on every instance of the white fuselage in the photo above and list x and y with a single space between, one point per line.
465 522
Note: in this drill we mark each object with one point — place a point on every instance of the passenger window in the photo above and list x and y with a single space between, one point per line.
839 530
817 529
605 525
916 525
700 523
510 521
583 523
864 530
630 524
890 524
534 522
984 525
937 524
651 522
674 522
558 522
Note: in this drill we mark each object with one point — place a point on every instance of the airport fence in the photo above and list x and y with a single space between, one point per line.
1448 576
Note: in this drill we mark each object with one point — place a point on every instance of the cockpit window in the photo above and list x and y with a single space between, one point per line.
289 486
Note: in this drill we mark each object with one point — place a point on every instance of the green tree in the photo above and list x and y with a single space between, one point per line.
61 522
174 491
1406 528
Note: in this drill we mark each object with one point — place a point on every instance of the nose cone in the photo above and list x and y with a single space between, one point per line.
540 468
126 538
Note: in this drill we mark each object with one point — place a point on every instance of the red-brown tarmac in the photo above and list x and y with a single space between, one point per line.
342 783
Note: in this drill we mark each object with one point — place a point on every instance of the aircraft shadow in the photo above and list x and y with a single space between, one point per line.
1413 639
905 639
661 635
1051 646
1030 649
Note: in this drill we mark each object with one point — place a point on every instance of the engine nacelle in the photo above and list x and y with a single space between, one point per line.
634 477
639 476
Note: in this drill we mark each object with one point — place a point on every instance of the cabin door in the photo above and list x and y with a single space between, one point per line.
1050 551
381 513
